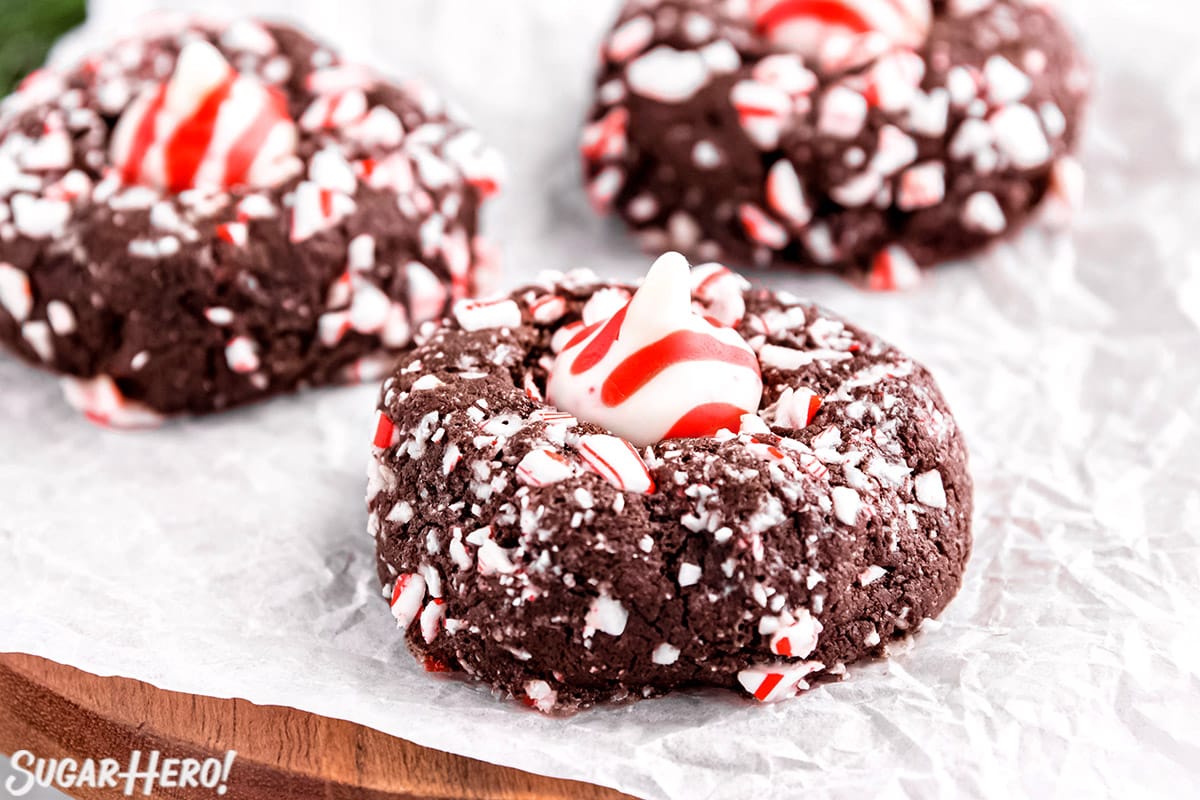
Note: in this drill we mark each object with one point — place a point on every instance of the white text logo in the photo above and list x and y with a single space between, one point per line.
141 773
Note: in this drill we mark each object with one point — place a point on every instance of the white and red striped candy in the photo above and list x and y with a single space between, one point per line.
543 467
809 26
39 86
207 126
316 209
330 111
797 407
386 433
763 111
813 466
796 636
541 696
103 403
548 308
1065 197
922 186
893 269
482 166
722 291
894 79
762 228
407 596
786 72
394 172
604 188
785 195
235 233
631 38
478 315
241 354
532 390
606 137
431 619
616 460
763 450
70 186
655 369
775 682
549 416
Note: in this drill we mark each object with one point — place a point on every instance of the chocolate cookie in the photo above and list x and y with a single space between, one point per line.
866 137
776 540
200 217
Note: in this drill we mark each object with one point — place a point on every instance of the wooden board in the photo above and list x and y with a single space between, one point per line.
56 711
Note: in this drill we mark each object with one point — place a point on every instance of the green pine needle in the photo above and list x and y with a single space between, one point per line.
28 28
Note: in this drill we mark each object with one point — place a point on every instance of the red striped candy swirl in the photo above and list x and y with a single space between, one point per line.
656 369
808 26
206 127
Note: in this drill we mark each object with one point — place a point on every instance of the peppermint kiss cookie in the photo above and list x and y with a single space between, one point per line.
580 493
866 137
203 216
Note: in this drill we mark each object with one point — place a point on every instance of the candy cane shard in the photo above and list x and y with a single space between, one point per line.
386 433
615 460
893 269
809 26
102 402
544 466
477 315
723 292
797 635
772 683
796 407
407 596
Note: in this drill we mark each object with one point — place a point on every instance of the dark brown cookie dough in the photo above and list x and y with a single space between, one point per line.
758 560
194 298
708 138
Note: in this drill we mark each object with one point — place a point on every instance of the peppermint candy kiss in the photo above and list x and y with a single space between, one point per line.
208 127
808 26
656 369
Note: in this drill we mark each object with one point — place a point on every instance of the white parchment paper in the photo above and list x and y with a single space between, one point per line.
228 556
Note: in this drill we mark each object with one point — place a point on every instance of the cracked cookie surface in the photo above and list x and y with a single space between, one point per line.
870 159
757 559
146 253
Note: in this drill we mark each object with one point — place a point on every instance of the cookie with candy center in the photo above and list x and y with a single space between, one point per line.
572 555
871 138
208 214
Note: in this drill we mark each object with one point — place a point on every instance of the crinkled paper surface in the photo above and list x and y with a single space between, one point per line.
228 556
